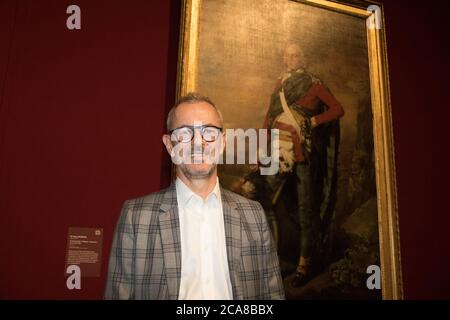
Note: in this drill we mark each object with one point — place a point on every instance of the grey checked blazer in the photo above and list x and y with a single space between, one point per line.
145 259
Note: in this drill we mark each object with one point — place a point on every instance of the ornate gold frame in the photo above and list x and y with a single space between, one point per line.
381 107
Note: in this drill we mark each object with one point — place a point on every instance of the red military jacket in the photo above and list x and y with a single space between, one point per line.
311 100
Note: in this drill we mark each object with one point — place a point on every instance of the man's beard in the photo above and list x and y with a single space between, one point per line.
192 173
198 163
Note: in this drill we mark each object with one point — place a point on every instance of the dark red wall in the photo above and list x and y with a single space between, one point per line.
82 113
418 51
82 116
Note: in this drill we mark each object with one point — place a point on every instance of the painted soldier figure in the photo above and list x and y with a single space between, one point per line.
306 114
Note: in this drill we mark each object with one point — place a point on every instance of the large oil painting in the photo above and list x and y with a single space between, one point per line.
316 71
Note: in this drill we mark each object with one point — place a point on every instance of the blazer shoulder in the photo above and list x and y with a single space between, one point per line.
152 200
250 211
241 202
141 212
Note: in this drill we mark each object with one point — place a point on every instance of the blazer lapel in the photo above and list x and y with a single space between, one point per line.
169 226
232 221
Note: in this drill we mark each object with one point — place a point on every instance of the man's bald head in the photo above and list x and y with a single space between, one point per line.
190 98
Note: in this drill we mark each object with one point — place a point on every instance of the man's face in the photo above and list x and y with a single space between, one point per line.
195 156
293 57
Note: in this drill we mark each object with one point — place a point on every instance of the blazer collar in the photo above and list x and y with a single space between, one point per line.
169 226
169 199
232 221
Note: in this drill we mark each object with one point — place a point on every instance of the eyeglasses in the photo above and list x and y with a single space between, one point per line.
185 134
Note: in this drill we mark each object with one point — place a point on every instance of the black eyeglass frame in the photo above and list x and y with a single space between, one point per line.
192 128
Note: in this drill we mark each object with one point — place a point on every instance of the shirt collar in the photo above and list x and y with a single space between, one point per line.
185 194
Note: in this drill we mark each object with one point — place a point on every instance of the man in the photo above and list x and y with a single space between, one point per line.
193 240
307 114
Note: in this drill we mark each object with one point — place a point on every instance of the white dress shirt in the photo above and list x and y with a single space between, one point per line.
204 263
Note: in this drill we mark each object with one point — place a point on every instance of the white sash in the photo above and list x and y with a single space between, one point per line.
290 116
